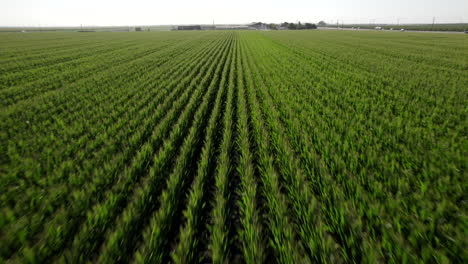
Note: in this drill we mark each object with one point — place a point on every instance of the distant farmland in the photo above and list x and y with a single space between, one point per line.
459 27
246 146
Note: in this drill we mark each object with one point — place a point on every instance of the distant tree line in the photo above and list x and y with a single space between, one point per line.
298 25
284 25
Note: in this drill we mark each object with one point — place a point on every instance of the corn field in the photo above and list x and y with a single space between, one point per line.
233 147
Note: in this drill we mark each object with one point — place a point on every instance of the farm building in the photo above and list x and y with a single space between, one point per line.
232 27
208 27
258 26
194 27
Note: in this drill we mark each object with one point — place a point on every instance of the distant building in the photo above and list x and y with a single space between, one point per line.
208 27
195 27
258 26
232 27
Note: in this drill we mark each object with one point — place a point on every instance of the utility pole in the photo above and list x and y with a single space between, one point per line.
433 22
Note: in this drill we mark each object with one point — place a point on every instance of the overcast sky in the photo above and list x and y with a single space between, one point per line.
155 12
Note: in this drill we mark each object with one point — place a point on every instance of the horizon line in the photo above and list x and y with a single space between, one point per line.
159 25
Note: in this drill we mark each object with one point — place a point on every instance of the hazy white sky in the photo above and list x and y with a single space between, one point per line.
155 12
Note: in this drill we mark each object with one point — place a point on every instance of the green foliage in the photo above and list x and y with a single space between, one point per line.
256 147
299 25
